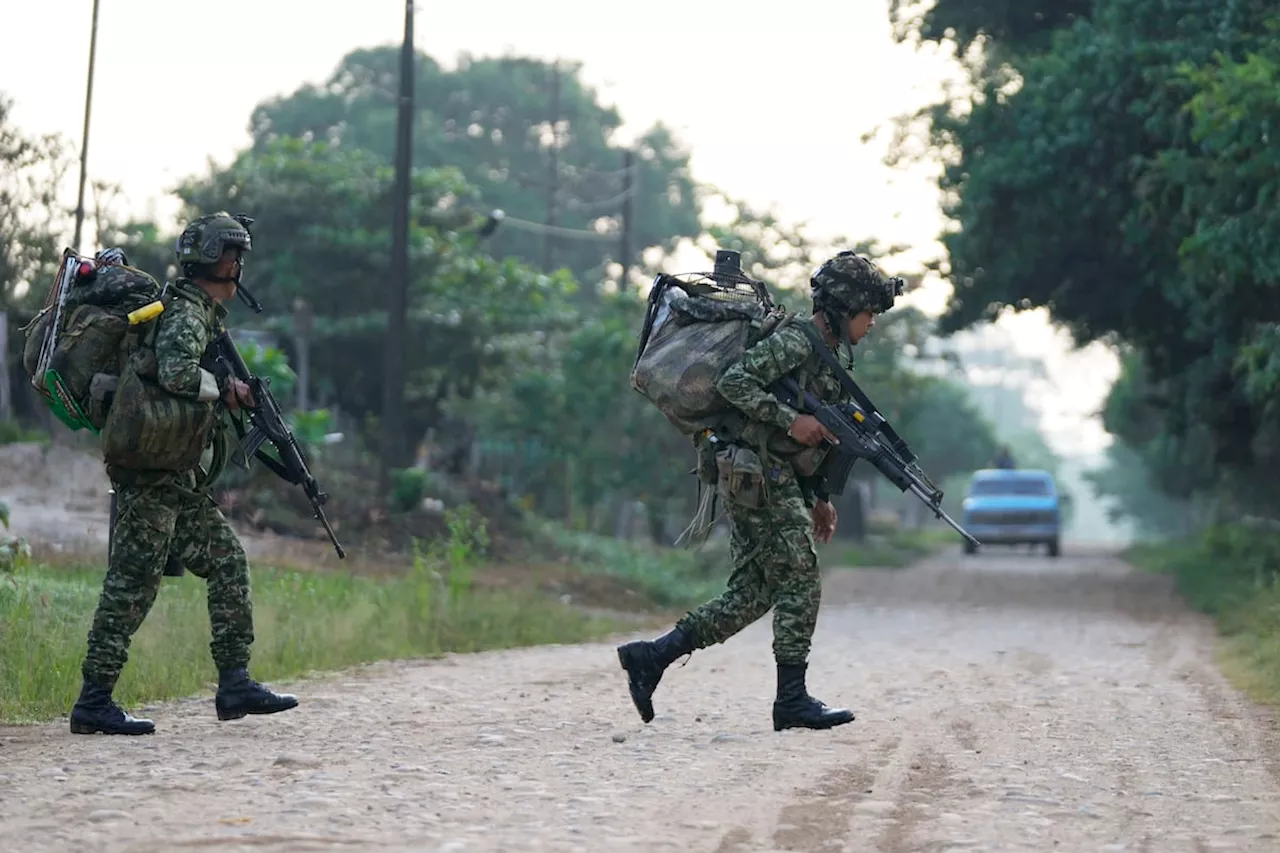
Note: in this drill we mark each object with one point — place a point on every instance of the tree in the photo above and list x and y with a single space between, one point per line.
598 440
1124 477
1021 26
30 215
531 138
322 237
1118 173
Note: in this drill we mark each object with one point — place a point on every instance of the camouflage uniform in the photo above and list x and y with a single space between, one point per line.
775 564
163 513
160 512
772 546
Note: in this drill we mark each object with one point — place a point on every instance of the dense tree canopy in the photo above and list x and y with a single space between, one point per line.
531 138
1115 164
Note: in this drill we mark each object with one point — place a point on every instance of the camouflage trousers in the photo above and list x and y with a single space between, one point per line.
152 520
775 565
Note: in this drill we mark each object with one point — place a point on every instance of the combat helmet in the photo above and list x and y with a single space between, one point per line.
848 284
203 241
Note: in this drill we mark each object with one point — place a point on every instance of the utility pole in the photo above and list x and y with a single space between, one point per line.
84 143
302 326
393 438
6 401
627 237
553 168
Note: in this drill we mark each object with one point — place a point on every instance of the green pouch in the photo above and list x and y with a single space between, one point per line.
149 428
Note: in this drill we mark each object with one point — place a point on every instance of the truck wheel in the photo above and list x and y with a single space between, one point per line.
969 547
1054 548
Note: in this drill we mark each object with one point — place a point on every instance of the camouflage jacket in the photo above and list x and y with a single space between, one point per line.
188 325
745 385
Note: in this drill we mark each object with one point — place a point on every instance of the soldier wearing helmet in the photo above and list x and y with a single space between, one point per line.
776 515
848 292
164 509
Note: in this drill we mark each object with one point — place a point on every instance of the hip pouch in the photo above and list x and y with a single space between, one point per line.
740 477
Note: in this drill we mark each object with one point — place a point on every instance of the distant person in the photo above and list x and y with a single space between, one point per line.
163 504
1004 459
775 518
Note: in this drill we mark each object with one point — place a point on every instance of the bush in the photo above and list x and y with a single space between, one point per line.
12 432
668 576
14 550
408 488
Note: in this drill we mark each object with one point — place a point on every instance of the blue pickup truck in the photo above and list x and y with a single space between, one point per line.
1014 506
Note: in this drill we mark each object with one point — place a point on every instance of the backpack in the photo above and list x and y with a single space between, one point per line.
693 331
76 346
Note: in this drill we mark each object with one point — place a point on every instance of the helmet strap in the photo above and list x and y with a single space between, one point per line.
838 323
226 279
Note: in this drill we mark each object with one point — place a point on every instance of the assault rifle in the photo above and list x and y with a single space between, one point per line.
864 433
268 424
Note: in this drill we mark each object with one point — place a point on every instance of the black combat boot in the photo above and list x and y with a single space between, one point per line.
238 695
646 660
95 711
795 708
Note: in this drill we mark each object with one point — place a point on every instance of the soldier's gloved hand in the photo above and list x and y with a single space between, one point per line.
808 430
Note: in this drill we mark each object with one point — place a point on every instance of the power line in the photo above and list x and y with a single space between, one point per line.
557 230
607 204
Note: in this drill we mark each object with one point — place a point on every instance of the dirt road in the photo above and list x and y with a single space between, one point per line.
1004 702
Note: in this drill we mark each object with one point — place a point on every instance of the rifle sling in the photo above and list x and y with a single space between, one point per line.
851 387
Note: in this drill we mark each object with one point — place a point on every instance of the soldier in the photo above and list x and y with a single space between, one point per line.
163 511
1004 458
773 528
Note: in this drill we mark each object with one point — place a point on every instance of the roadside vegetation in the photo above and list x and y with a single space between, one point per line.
1232 573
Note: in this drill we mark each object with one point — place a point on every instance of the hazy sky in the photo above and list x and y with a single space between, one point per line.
772 106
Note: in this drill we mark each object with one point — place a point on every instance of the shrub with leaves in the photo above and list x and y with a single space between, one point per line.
14 550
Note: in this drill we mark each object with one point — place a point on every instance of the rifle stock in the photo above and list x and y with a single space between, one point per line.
267 424
868 436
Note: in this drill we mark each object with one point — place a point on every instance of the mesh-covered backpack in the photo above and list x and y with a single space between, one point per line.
95 313
695 326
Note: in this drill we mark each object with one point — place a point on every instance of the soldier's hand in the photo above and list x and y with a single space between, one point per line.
824 521
808 430
237 394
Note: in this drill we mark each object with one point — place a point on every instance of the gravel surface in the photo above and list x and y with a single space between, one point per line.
1005 702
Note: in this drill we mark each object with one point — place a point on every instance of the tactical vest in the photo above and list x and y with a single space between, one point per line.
149 428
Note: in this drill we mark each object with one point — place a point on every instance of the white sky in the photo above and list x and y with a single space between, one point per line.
773 107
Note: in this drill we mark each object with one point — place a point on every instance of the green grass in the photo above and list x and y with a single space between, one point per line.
304 622
890 549
1232 573
673 577
686 577
12 432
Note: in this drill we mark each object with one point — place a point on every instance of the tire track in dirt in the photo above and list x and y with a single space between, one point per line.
819 817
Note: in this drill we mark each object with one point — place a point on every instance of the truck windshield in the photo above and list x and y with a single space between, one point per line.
1010 487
